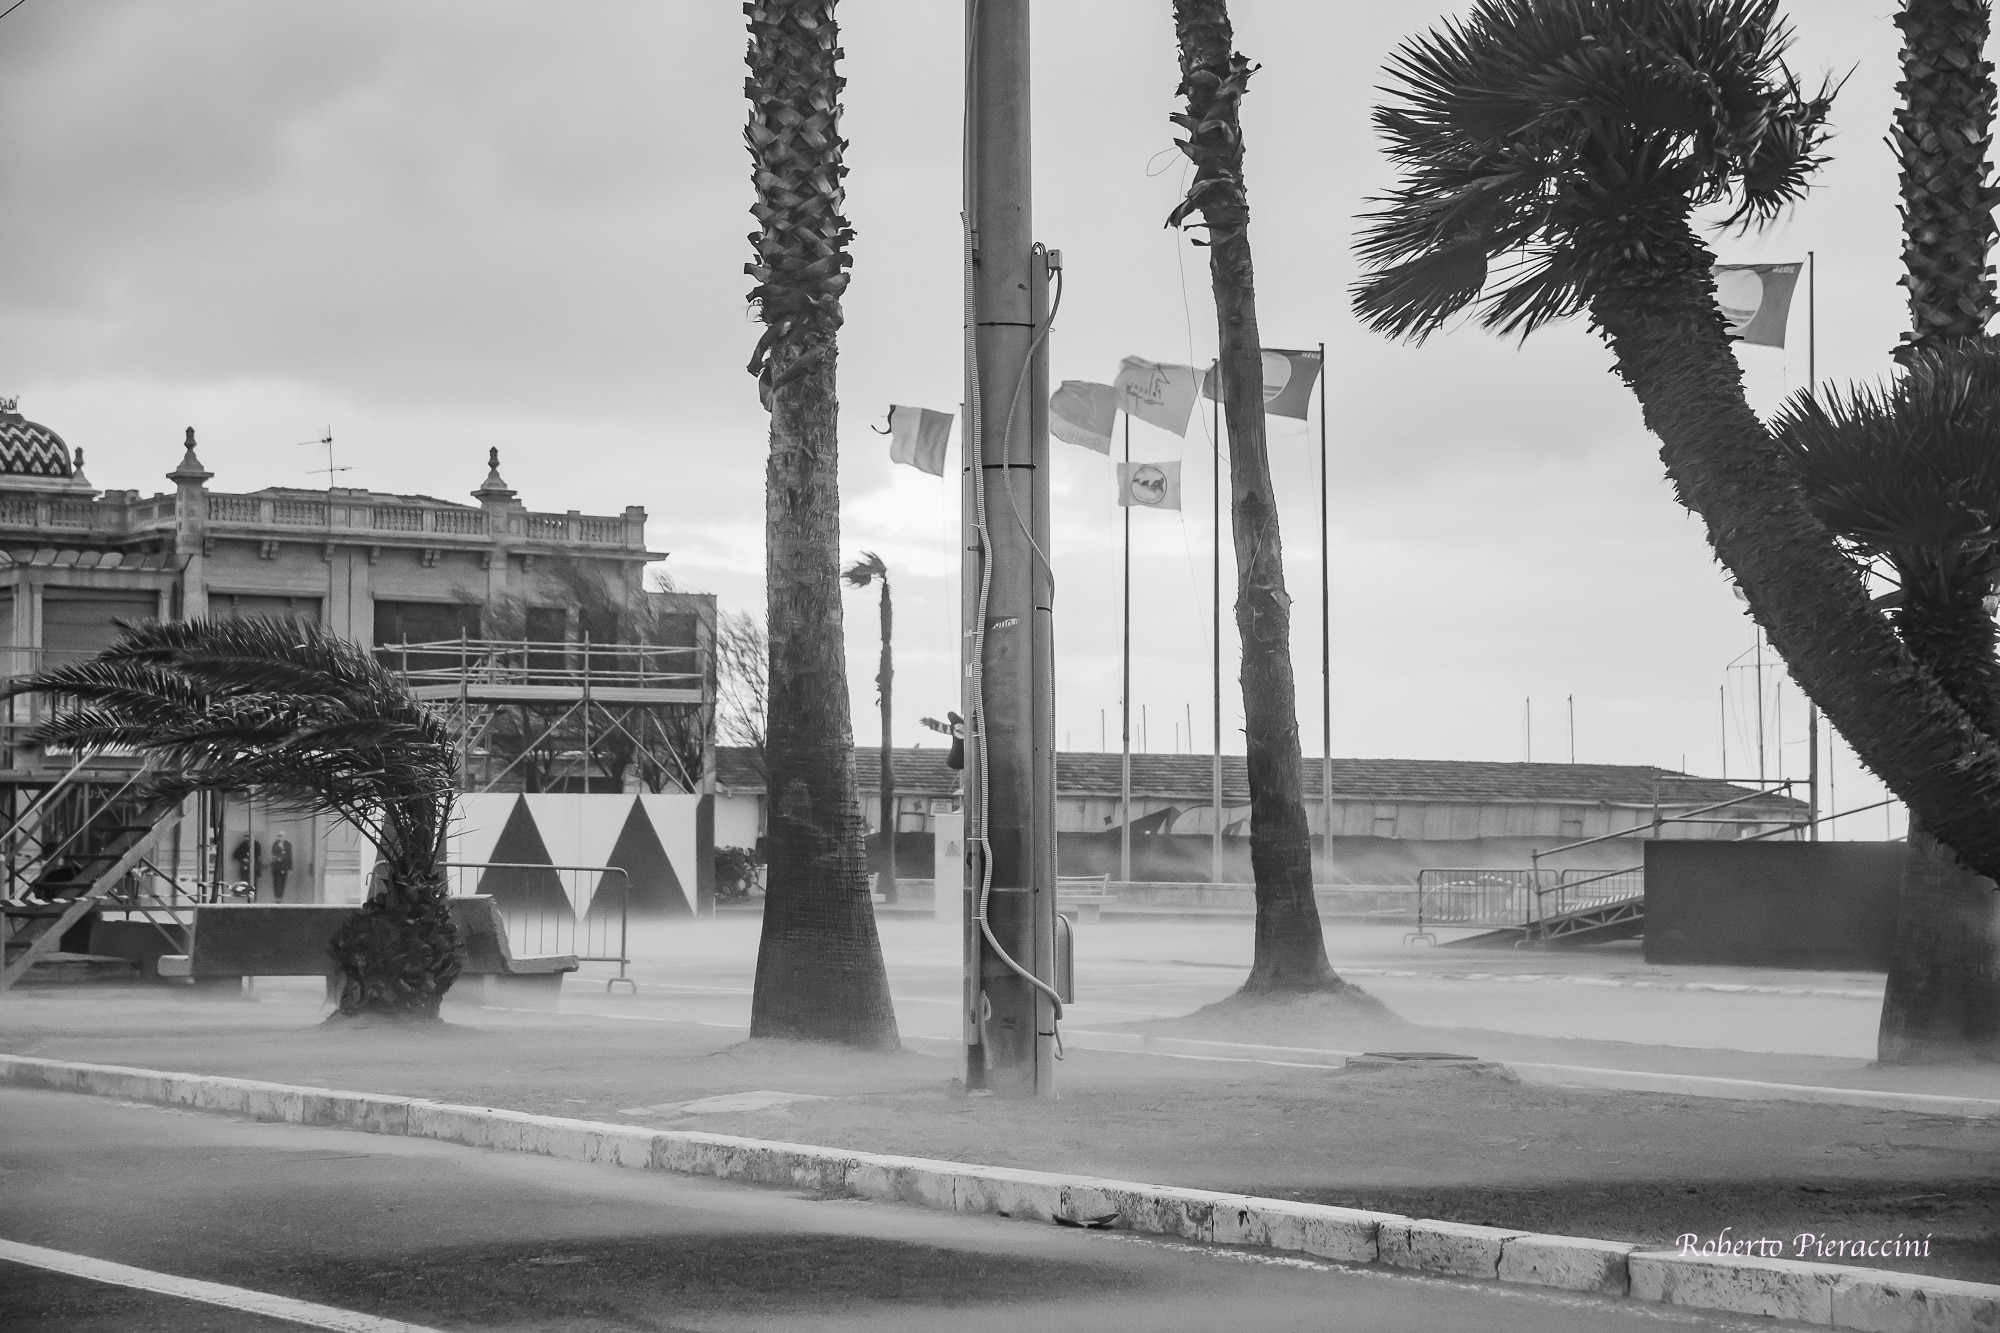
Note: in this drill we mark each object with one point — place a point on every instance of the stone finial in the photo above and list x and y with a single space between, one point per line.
190 470
494 490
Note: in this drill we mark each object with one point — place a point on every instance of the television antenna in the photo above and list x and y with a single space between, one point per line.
331 471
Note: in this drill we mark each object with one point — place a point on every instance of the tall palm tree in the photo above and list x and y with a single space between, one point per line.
1910 477
860 574
305 719
1553 155
1907 475
1943 131
819 965
1290 952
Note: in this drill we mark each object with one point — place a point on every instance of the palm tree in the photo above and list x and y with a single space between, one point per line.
819 965
1570 143
1943 130
1290 952
1906 476
1910 477
309 721
860 574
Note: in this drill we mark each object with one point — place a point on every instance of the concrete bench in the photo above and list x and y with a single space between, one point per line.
231 941
1087 898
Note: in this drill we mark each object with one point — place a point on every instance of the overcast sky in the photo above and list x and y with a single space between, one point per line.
445 225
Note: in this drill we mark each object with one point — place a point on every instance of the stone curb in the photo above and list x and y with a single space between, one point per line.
1852 1298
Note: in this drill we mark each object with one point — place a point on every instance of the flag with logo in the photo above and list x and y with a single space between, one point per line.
1149 485
1081 412
1158 393
918 437
1756 300
1289 377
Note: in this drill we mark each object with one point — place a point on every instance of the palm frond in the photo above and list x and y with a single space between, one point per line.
1550 149
276 706
1909 472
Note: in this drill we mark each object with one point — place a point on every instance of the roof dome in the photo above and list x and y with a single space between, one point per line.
30 449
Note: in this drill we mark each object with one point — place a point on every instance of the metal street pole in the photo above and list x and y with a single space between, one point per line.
1215 638
1009 679
1125 692
1325 644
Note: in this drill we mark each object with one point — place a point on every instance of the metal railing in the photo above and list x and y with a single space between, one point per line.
1473 896
560 663
533 929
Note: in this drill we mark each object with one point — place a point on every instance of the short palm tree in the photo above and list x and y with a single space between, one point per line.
870 569
1554 154
819 963
309 721
1290 948
1909 478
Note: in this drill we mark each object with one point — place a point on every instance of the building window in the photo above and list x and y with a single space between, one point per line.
1572 828
80 623
1385 825
424 622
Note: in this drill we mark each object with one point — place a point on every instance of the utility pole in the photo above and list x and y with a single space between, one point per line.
1009 637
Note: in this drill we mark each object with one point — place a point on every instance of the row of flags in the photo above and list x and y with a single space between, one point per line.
1755 301
1085 413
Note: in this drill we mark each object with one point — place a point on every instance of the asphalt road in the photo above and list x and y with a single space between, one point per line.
455 1238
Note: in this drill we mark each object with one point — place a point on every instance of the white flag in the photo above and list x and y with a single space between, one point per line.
918 436
1160 394
1149 485
1084 413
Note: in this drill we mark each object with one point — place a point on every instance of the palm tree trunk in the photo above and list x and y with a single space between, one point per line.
1942 132
885 682
819 964
1670 349
400 953
1290 949
1942 1001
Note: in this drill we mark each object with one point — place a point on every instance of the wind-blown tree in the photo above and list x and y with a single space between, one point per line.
1290 951
742 661
1553 156
311 723
1909 476
860 574
819 964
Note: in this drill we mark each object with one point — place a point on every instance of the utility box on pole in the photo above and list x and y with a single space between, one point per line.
1008 645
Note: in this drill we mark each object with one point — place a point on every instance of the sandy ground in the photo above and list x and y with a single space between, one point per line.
1456 1144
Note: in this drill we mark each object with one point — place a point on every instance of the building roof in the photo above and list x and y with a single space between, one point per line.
921 771
30 449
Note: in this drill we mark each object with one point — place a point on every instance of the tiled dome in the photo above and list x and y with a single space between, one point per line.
30 449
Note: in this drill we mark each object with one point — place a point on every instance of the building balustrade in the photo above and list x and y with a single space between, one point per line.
123 513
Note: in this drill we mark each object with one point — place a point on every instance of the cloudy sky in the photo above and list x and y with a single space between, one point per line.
455 224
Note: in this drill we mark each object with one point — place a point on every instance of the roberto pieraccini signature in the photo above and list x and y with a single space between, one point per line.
1808 1245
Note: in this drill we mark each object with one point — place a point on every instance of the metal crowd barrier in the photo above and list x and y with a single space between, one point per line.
535 929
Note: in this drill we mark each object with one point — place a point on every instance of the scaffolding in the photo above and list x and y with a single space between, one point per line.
562 716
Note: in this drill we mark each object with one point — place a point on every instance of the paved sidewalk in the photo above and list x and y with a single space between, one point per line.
1452 1144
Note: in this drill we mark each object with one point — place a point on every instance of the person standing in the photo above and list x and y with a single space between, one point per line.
281 865
249 859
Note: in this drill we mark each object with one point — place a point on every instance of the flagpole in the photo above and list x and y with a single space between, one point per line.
1812 391
1215 644
1325 641
1125 690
